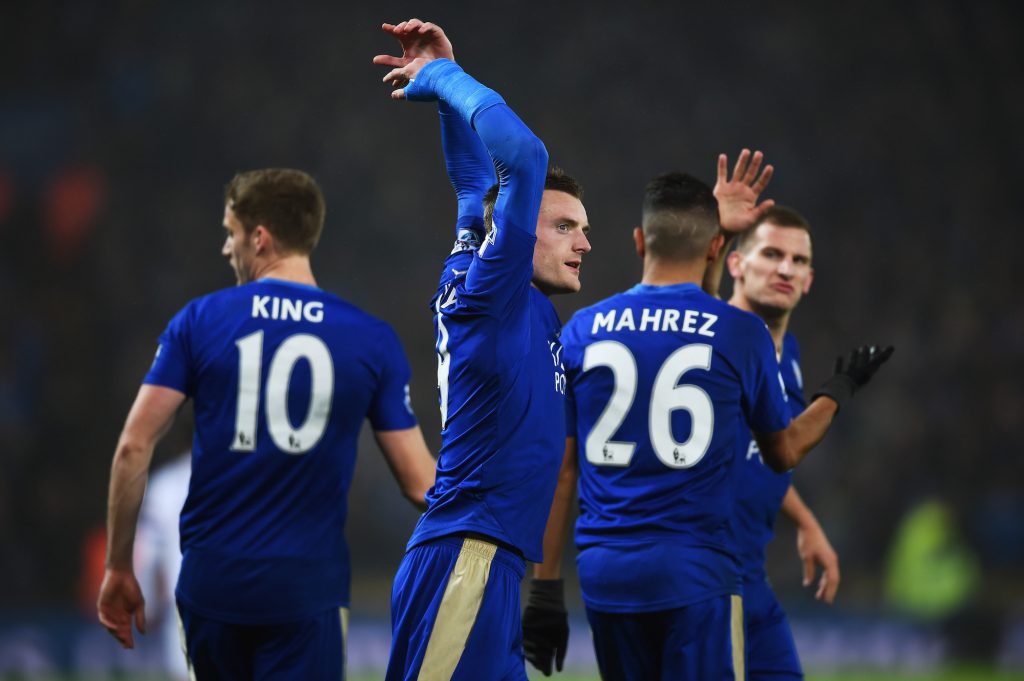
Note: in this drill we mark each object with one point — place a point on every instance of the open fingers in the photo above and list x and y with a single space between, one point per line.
397 77
766 177
751 171
122 631
723 169
391 60
140 618
741 164
761 209
808 571
398 94
828 585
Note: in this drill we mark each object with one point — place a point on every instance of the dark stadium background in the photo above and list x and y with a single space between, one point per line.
894 127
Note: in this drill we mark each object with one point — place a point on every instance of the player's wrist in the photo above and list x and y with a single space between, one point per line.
547 594
840 389
445 80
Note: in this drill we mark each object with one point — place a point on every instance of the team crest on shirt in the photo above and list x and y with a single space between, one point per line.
466 240
555 347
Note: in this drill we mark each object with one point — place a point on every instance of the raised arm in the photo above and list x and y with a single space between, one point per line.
519 156
738 209
784 449
812 546
469 166
120 598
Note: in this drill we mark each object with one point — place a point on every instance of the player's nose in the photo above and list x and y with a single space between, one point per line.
582 244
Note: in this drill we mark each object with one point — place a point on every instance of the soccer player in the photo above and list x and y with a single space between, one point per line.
771 271
281 375
661 379
455 601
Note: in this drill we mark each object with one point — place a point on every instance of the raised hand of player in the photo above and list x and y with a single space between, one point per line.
422 42
120 600
546 625
853 373
814 549
863 362
738 209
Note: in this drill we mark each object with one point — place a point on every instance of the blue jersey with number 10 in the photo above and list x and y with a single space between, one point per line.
660 379
282 376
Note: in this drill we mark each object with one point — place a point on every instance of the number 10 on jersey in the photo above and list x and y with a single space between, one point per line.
275 392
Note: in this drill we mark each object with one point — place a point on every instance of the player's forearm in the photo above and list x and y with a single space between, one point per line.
469 166
128 475
785 449
556 533
521 161
794 508
519 156
410 462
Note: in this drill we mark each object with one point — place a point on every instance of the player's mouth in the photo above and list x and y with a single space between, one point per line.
574 265
783 287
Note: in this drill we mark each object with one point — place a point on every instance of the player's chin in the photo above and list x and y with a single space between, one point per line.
570 284
780 301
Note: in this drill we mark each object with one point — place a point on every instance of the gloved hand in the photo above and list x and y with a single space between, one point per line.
546 625
858 369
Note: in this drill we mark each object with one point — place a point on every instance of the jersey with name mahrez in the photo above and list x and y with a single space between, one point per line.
660 379
282 376
500 388
760 490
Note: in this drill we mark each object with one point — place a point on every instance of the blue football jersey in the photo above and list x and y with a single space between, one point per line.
660 379
760 490
282 376
500 388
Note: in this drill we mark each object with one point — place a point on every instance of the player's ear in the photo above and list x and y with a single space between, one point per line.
715 247
807 284
261 238
638 241
733 263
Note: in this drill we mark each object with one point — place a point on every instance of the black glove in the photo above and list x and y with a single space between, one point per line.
545 625
860 367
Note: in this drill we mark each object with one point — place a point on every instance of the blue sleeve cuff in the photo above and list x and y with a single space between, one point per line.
445 80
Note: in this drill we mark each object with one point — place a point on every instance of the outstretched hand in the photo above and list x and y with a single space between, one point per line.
814 549
863 362
120 600
738 209
422 42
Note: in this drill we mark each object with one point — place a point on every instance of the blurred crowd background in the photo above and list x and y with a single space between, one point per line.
894 127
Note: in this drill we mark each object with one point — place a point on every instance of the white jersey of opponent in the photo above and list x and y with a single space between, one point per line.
158 557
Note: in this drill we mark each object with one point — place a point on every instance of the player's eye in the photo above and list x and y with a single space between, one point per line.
563 227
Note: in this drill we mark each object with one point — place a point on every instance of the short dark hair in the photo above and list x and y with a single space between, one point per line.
556 180
288 203
780 216
679 217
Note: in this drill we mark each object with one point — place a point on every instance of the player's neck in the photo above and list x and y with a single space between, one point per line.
293 268
776 321
659 273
